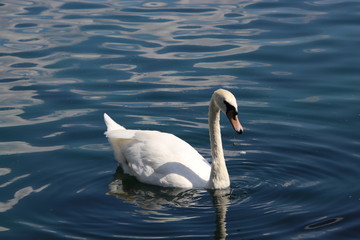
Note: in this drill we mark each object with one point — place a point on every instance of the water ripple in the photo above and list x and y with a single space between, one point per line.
20 194
18 147
154 65
11 118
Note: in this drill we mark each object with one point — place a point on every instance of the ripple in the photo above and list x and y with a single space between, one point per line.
13 180
11 118
53 134
33 10
224 34
183 81
16 147
82 5
24 47
19 195
96 147
25 25
173 53
230 64
26 72
121 46
314 50
293 173
292 41
323 223
119 66
3 229
103 27
4 171
155 4
277 73
171 10
309 99
24 65
9 98
86 56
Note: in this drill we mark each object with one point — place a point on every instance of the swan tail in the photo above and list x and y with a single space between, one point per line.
111 124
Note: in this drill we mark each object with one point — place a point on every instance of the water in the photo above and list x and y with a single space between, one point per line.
293 65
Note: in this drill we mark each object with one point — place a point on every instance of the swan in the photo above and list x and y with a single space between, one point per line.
165 160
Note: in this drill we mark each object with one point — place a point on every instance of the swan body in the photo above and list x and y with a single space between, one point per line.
163 159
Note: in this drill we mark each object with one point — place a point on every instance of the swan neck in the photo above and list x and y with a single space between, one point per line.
215 133
219 177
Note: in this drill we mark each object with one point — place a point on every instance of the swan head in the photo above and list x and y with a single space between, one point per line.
226 102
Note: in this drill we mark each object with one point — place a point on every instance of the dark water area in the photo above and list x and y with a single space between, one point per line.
293 66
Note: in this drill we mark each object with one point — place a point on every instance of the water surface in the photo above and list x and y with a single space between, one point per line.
293 65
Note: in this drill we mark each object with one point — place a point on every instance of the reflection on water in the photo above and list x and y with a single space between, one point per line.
20 194
7 148
153 199
221 200
180 33
8 202
52 51
11 118
292 64
323 223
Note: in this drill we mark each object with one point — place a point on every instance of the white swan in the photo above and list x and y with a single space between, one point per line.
165 160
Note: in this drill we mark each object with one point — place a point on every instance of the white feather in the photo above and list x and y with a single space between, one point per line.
158 158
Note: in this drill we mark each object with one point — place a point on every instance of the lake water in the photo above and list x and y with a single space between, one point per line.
293 66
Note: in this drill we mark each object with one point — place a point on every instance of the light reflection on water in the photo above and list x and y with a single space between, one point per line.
17 147
11 118
153 201
293 66
20 194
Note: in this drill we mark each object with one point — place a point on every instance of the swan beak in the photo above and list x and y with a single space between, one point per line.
234 120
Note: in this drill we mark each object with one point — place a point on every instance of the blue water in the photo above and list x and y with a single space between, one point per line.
293 66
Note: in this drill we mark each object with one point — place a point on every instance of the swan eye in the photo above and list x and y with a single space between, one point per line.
230 107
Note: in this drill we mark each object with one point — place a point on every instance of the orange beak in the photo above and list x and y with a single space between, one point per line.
234 120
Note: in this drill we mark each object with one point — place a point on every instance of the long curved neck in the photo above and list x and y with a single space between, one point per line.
219 177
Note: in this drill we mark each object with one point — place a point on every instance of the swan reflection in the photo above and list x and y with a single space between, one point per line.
151 199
